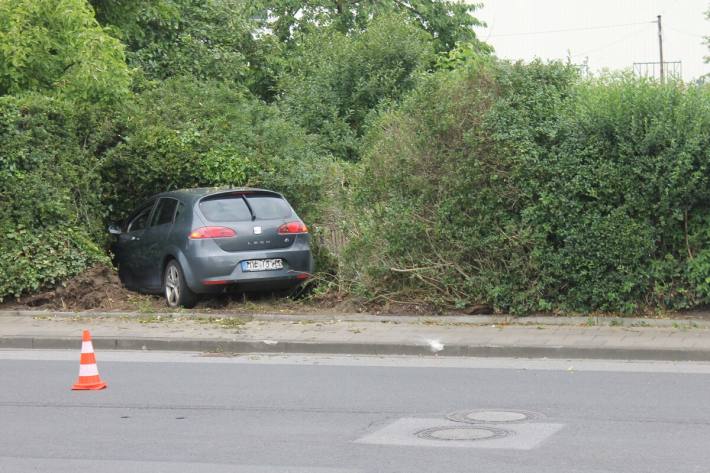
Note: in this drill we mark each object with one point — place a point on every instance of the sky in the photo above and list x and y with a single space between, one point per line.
609 34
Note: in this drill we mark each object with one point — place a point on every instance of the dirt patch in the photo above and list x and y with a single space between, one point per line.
97 288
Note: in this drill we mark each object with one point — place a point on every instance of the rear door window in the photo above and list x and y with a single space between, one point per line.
165 211
267 207
179 212
230 208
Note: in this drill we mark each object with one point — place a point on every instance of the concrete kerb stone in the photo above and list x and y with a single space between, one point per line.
400 319
553 343
15 342
382 349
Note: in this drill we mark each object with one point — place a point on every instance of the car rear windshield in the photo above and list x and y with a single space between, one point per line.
267 207
233 208
229 208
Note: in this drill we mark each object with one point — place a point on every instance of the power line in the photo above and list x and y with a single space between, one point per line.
589 28
616 41
687 33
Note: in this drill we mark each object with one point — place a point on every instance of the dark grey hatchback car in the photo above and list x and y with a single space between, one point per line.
203 241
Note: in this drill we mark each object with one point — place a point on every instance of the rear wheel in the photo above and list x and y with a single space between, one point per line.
177 294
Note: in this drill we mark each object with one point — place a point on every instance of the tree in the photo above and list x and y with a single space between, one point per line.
448 22
206 39
332 81
707 38
57 46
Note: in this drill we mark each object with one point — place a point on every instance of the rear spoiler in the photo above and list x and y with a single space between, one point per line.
241 192
244 194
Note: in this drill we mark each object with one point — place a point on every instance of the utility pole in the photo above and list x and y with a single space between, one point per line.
660 47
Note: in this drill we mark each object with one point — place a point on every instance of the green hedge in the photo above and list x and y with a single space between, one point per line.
625 197
524 187
185 133
50 213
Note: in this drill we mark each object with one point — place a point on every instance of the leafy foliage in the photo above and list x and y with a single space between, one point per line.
184 133
635 160
50 214
58 47
204 39
427 168
448 22
333 81
524 187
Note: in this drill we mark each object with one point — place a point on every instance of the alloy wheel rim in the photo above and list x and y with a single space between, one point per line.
172 286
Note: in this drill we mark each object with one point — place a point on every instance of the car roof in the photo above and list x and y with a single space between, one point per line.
194 194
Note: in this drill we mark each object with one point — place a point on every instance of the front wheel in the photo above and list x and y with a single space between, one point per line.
177 294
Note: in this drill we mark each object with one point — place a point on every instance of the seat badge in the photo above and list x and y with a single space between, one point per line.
257 230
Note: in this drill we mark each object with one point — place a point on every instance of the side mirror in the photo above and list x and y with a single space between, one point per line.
114 229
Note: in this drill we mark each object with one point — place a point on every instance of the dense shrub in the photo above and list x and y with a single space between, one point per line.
184 133
439 204
625 195
523 187
334 80
50 213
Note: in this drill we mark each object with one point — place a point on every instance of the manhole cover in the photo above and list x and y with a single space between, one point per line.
461 433
493 416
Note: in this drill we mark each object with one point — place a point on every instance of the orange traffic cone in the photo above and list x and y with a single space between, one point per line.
88 372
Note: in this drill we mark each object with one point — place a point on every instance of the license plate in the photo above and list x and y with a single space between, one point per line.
263 264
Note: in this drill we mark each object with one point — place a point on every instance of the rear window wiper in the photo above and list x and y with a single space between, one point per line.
251 211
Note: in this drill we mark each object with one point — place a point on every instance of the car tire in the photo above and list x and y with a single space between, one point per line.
177 293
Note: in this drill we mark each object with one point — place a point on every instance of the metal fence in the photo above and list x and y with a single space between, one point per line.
671 69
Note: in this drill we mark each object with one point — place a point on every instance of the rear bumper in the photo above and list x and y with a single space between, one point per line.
215 270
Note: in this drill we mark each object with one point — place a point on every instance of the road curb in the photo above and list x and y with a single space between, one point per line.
403 319
334 348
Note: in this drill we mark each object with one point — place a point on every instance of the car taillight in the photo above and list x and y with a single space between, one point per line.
212 232
292 227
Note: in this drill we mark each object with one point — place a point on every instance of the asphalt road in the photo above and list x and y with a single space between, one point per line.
180 412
